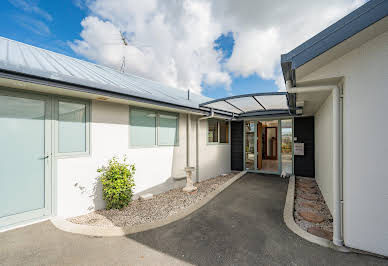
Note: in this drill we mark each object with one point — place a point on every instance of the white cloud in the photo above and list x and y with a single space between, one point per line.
31 7
34 25
168 42
173 41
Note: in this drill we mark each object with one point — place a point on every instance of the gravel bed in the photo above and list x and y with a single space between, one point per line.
324 211
159 207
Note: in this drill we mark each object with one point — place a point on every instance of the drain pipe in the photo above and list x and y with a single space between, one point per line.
337 160
197 141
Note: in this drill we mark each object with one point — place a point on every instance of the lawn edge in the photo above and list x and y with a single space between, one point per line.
82 229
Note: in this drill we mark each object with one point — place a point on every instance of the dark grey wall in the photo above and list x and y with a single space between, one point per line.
237 141
304 132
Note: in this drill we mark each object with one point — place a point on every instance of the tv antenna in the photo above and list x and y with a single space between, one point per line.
125 43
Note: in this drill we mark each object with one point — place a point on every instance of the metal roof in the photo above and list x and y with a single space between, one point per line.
356 21
255 104
20 58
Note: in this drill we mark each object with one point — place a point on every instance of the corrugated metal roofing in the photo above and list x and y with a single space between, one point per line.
26 59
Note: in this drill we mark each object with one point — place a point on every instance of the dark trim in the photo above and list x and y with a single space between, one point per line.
259 103
264 113
242 111
353 23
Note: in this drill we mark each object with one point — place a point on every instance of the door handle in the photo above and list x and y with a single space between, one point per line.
44 158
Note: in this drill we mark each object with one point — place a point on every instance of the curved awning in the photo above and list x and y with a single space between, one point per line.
251 104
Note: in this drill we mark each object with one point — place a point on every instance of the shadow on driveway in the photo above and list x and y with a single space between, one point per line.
244 225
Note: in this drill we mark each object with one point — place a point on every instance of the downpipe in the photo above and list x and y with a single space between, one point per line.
337 154
197 142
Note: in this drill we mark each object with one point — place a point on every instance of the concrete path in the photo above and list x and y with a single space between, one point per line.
242 226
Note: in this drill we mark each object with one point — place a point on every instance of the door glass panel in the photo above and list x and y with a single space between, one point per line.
286 145
268 160
22 167
250 145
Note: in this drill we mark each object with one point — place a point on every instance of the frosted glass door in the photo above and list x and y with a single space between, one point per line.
23 159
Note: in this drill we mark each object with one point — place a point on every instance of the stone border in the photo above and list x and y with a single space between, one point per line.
90 230
288 216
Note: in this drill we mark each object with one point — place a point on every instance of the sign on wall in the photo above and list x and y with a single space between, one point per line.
298 148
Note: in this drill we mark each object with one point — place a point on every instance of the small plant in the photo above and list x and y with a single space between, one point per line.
117 183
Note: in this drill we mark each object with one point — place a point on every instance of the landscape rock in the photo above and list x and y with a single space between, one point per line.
311 205
146 196
311 217
317 231
309 190
308 196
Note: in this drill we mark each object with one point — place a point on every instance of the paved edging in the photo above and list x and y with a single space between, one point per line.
288 215
83 229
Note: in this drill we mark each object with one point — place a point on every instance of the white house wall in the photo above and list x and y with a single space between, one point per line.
323 123
365 145
78 191
214 159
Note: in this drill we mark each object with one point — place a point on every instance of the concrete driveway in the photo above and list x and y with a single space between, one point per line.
241 226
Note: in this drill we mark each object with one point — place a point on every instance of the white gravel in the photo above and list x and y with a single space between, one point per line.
327 224
159 207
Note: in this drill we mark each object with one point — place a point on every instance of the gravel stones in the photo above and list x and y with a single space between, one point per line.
157 208
309 205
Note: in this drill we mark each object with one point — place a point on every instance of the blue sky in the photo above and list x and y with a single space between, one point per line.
54 24
240 85
46 24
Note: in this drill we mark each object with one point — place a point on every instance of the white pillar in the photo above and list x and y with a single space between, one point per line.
337 215
188 169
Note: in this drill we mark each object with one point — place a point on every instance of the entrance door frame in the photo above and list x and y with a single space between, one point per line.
279 143
47 211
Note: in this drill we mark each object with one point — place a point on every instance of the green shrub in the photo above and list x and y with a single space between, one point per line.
117 183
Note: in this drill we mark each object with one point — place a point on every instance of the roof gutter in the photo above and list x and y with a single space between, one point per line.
90 90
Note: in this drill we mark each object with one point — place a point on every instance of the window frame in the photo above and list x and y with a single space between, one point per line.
219 132
157 126
87 104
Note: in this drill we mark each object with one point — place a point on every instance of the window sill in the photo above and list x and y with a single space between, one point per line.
217 143
151 147
71 155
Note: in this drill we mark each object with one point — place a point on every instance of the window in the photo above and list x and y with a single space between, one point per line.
72 126
212 131
224 132
143 128
168 125
150 128
218 131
